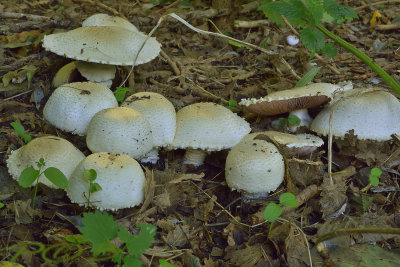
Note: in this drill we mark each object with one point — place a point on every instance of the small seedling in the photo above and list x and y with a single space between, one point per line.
20 130
273 210
308 77
100 229
30 175
231 104
91 175
373 179
282 123
1 205
120 93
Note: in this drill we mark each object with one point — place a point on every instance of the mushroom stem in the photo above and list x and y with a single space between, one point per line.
305 119
150 157
194 157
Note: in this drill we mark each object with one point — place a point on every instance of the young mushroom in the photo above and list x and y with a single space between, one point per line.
72 106
161 115
120 177
120 130
203 127
56 152
296 101
254 167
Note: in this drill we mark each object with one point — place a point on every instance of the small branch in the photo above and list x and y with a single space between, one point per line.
305 195
98 3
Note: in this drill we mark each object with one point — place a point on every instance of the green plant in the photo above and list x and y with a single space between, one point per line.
1 205
100 229
91 175
308 15
29 175
282 123
308 77
273 210
120 93
231 104
20 130
373 179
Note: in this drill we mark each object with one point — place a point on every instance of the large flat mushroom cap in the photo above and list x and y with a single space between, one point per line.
120 177
303 97
103 44
208 126
107 20
372 115
56 152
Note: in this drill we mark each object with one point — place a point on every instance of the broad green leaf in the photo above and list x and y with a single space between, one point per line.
99 229
1 205
94 187
132 261
374 180
308 77
139 243
90 175
313 40
293 9
18 128
330 50
316 8
27 138
288 199
272 212
293 120
120 93
376 172
27 177
270 14
232 102
280 123
338 12
56 177
164 263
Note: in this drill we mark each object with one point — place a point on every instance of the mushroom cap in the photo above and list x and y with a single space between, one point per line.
308 96
56 152
120 177
72 106
160 113
96 72
289 140
120 130
107 20
372 115
208 126
103 44
254 166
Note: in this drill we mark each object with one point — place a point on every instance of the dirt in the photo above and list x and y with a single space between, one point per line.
200 221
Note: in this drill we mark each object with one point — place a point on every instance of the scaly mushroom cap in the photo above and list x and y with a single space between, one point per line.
72 106
103 44
208 126
120 177
107 20
308 96
372 115
254 166
96 72
120 130
160 113
56 152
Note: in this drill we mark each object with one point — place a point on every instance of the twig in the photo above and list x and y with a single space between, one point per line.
14 96
171 63
377 4
174 4
98 3
13 15
250 24
305 195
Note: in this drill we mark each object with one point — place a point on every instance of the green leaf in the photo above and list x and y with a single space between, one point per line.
90 175
270 14
94 187
293 120
1 205
288 199
330 50
40 163
308 77
272 212
280 123
313 40
18 128
376 172
132 261
232 102
164 263
27 177
293 9
140 243
27 138
76 239
120 93
99 229
338 12
316 8
374 180
56 177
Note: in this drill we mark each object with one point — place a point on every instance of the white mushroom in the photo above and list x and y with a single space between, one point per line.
103 44
56 152
120 177
120 130
255 167
72 106
161 115
205 127
107 20
96 72
373 115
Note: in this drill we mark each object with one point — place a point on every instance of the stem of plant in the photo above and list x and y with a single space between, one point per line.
35 192
375 67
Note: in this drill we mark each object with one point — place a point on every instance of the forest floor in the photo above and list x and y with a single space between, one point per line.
200 221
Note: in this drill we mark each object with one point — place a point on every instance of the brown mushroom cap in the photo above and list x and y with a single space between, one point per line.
303 97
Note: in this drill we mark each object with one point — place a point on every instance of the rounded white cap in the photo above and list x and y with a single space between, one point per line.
120 177
120 130
208 126
96 72
103 44
254 166
56 152
372 115
160 113
107 20
72 106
